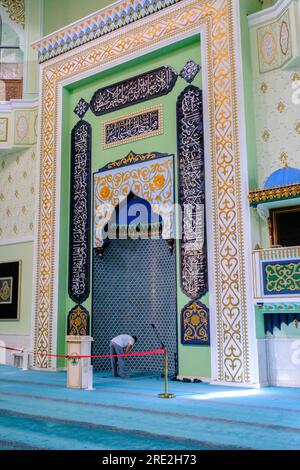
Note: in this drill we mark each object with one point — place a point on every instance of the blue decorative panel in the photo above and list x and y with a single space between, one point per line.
134 287
273 321
195 324
80 213
281 277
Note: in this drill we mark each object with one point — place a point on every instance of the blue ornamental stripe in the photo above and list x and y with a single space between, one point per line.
194 278
80 212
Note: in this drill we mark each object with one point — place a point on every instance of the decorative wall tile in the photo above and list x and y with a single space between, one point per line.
277 123
134 288
17 194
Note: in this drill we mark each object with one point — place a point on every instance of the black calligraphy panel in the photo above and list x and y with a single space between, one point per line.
143 87
80 213
194 279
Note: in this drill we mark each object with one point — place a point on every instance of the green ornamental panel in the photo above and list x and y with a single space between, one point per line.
281 277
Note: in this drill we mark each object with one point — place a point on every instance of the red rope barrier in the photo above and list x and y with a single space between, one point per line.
106 356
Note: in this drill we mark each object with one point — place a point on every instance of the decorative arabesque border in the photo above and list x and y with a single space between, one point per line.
234 356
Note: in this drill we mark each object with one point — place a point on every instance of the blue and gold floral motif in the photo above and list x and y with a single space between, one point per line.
195 324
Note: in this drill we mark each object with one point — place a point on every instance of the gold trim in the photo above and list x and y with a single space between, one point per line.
131 159
144 135
258 196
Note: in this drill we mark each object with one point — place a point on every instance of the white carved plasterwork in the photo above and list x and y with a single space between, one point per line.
274 44
235 359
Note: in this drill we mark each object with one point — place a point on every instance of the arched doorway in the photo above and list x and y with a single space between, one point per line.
134 272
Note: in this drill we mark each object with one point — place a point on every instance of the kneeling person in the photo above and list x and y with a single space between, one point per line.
121 344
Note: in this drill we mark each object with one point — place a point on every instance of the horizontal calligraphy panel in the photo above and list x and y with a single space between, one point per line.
133 126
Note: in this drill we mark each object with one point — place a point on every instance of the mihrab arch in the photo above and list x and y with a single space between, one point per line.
234 350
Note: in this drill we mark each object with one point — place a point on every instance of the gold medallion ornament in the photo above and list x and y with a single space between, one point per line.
15 10
235 355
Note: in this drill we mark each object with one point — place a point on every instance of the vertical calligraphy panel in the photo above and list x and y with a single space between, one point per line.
193 250
80 213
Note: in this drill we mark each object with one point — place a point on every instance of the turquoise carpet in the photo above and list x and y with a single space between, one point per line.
37 411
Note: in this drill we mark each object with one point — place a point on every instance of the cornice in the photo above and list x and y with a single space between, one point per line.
98 24
259 196
269 14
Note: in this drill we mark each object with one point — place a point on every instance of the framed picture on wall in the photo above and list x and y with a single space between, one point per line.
10 275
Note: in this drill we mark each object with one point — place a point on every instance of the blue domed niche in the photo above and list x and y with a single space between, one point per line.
283 177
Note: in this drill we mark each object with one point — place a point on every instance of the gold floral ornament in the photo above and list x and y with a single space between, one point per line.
104 193
264 88
159 181
284 160
266 135
281 107
15 10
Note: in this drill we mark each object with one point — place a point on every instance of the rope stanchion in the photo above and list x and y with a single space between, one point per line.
166 373
166 393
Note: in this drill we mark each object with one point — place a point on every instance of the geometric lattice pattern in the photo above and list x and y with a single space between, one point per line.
134 285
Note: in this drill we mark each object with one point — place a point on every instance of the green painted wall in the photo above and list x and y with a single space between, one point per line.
194 361
58 13
24 253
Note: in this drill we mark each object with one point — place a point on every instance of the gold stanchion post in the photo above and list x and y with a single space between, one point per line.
166 394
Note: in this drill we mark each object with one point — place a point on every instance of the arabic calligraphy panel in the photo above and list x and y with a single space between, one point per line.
132 127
